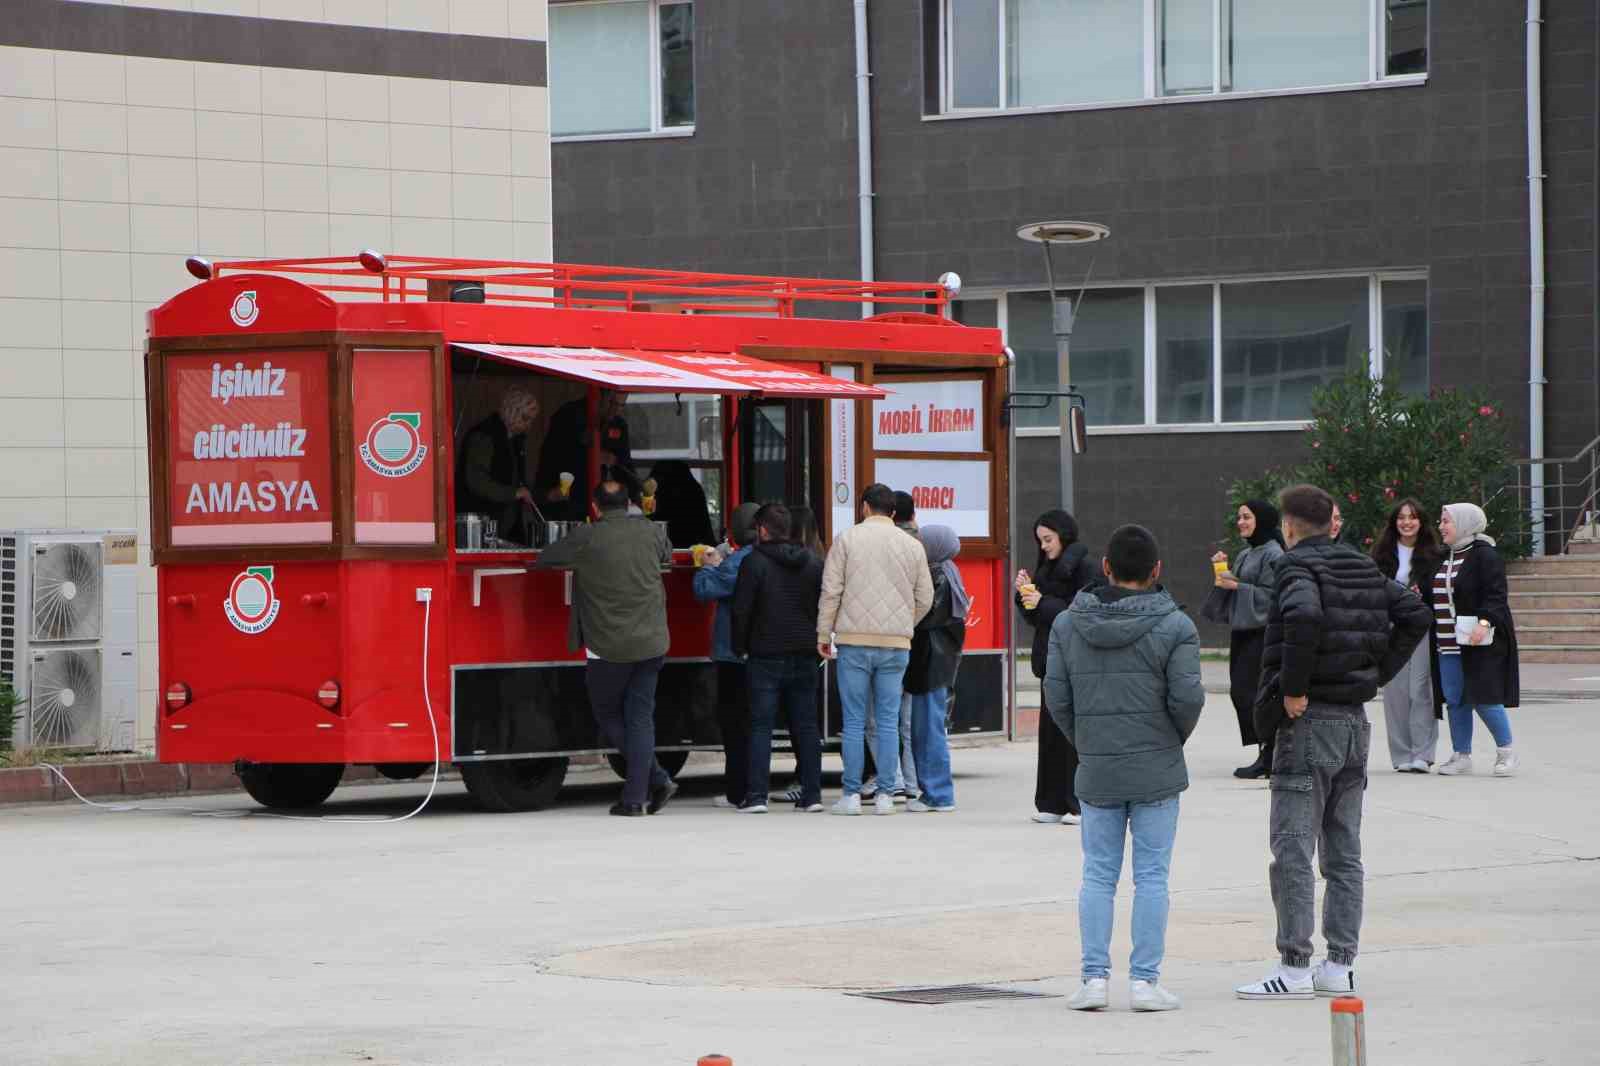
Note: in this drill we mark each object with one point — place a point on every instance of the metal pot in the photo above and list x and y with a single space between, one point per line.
469 532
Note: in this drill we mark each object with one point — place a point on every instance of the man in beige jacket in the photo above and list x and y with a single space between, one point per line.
875 589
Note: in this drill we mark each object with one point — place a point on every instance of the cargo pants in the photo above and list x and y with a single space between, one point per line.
1319 781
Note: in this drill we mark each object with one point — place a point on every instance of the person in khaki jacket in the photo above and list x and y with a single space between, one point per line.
875 589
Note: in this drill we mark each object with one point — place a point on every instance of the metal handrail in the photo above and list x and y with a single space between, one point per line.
1568 518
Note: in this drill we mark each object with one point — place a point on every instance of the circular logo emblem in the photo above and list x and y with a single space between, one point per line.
841 493
252 605
394 447
244 310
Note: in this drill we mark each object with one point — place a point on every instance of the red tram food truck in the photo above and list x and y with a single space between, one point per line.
324 598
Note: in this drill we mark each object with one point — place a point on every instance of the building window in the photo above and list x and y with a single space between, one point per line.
1000 55
1213 353
621 67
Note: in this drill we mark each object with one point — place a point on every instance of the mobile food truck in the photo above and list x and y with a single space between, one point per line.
324 601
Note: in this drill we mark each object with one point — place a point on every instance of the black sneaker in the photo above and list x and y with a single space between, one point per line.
628 810
660 796
1256 770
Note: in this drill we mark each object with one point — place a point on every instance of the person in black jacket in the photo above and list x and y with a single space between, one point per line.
931 674
775 624
1062 570
1474 662
1408 552
1337 630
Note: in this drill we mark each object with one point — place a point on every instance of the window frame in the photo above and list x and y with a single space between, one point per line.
1375 355
657 129
1376 73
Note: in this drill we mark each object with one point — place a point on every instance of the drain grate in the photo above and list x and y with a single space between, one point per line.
951 994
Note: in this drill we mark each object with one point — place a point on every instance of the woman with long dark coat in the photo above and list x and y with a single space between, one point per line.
1474 640
1241 596
1408 552
1063 568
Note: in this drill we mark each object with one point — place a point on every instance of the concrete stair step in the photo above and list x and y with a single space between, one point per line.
1538 616
1565 654
1555 601
1585 636
1555 564
1565 582
1589 548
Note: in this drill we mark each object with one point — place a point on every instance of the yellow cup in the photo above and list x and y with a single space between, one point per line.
698 551
1219 566
566 484
647 504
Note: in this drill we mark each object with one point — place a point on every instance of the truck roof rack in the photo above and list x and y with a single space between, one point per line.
371 275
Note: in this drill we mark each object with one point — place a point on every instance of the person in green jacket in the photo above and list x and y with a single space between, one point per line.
619 620
1123 683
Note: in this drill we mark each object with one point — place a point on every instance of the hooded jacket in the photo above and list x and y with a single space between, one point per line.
1123 683
775 601
936 645
1338 630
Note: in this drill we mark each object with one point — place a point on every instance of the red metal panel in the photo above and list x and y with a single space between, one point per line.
244 304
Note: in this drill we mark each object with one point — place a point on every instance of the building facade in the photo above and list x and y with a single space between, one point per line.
1293 189
134 135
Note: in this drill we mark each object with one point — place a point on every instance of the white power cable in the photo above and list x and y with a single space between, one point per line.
197 812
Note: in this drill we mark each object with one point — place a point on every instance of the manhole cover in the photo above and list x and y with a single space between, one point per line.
951 994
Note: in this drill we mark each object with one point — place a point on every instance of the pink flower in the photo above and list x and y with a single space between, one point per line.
1316 444
1463 438
1367 542
1354 497
1486 410
1389 493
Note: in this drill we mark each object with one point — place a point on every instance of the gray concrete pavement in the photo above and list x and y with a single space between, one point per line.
462 938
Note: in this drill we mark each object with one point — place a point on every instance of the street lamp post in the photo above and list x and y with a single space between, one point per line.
1049 234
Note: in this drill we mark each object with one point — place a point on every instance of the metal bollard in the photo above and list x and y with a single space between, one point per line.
1349 1019
714 1060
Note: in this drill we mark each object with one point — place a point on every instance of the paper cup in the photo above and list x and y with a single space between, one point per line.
698 551
1219 566
566 483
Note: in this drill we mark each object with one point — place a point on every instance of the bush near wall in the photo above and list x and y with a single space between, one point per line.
1373 445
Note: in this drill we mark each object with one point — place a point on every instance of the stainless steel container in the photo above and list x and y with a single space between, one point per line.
469 532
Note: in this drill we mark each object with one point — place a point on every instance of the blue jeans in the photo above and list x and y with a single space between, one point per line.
789 681
1155 827
1453 686
929 747
869 683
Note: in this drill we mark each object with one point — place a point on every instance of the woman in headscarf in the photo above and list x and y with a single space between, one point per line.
681 504
1408 552
931 673
1474 640
1240 596
1062 570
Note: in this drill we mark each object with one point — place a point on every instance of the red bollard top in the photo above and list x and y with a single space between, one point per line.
1342 1005
714 1060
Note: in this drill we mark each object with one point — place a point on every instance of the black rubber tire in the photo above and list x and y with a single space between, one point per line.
402 771
671 762
514 784
289 786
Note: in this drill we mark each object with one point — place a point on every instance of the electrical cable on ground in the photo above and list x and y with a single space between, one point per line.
197 812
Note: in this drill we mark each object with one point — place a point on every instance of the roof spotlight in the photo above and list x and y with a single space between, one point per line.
950 282
200 267
373 261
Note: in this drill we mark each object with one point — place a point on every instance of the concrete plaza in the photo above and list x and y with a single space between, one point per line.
156 937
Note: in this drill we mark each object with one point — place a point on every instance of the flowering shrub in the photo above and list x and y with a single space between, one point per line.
1371 445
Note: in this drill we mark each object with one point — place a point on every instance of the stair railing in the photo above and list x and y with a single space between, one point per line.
1571 498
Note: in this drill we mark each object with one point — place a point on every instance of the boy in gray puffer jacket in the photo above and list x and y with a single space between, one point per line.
1123 683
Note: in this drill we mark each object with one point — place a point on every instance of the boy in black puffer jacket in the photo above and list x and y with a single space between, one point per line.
1337 631
775 624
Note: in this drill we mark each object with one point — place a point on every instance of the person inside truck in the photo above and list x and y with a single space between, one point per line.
566 452
492 477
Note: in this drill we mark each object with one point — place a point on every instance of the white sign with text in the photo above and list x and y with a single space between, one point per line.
954 493
929 416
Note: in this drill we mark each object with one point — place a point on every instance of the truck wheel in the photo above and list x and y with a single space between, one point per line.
514 784
290 786
402 771
671 762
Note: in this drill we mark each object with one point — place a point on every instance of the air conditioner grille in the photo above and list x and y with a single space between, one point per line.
67 583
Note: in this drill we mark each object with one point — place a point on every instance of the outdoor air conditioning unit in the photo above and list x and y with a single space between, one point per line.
69 637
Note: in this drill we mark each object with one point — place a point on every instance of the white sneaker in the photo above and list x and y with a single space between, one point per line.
1421 766
1046 818
916 806
1456 765
751 808
722 801
1071 819
847 805
884 803
1147 995
1091 995
1278 985
1505 762
1327 980
815 808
